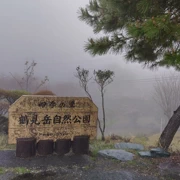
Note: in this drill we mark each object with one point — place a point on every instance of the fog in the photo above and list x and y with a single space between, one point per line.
50 33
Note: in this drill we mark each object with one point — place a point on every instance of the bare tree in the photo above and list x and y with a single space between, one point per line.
167 95
28 78
83 76
102 78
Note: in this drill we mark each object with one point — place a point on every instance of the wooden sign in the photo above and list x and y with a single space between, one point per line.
51 117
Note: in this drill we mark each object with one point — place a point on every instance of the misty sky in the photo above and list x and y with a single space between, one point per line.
49 32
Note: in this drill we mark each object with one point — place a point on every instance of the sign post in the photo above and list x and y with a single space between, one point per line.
51 117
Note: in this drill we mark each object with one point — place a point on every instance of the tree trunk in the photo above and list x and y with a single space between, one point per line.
104 116
100 128
103 110
102 137
170 130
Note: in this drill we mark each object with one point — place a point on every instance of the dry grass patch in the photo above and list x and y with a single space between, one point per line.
4 143
175 145
97 145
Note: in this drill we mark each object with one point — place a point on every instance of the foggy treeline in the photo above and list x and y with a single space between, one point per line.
130 108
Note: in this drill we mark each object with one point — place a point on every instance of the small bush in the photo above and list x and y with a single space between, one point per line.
119 138
4 106
44 92
13 95
3 125
4 143
115 137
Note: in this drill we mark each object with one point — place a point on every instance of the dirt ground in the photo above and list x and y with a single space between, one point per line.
84 167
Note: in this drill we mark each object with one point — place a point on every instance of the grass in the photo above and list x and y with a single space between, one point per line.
4 143
2 170
115 137
17 170
146 166
21 170
140 139
97 145
174 147
148 142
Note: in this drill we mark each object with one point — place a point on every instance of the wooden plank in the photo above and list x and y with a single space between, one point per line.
51 117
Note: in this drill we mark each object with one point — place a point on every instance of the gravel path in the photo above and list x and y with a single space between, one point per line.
69 167
8 159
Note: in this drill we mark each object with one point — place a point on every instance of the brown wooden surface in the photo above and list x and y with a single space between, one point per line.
45 147
51 117
62 146
26 147
80 145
